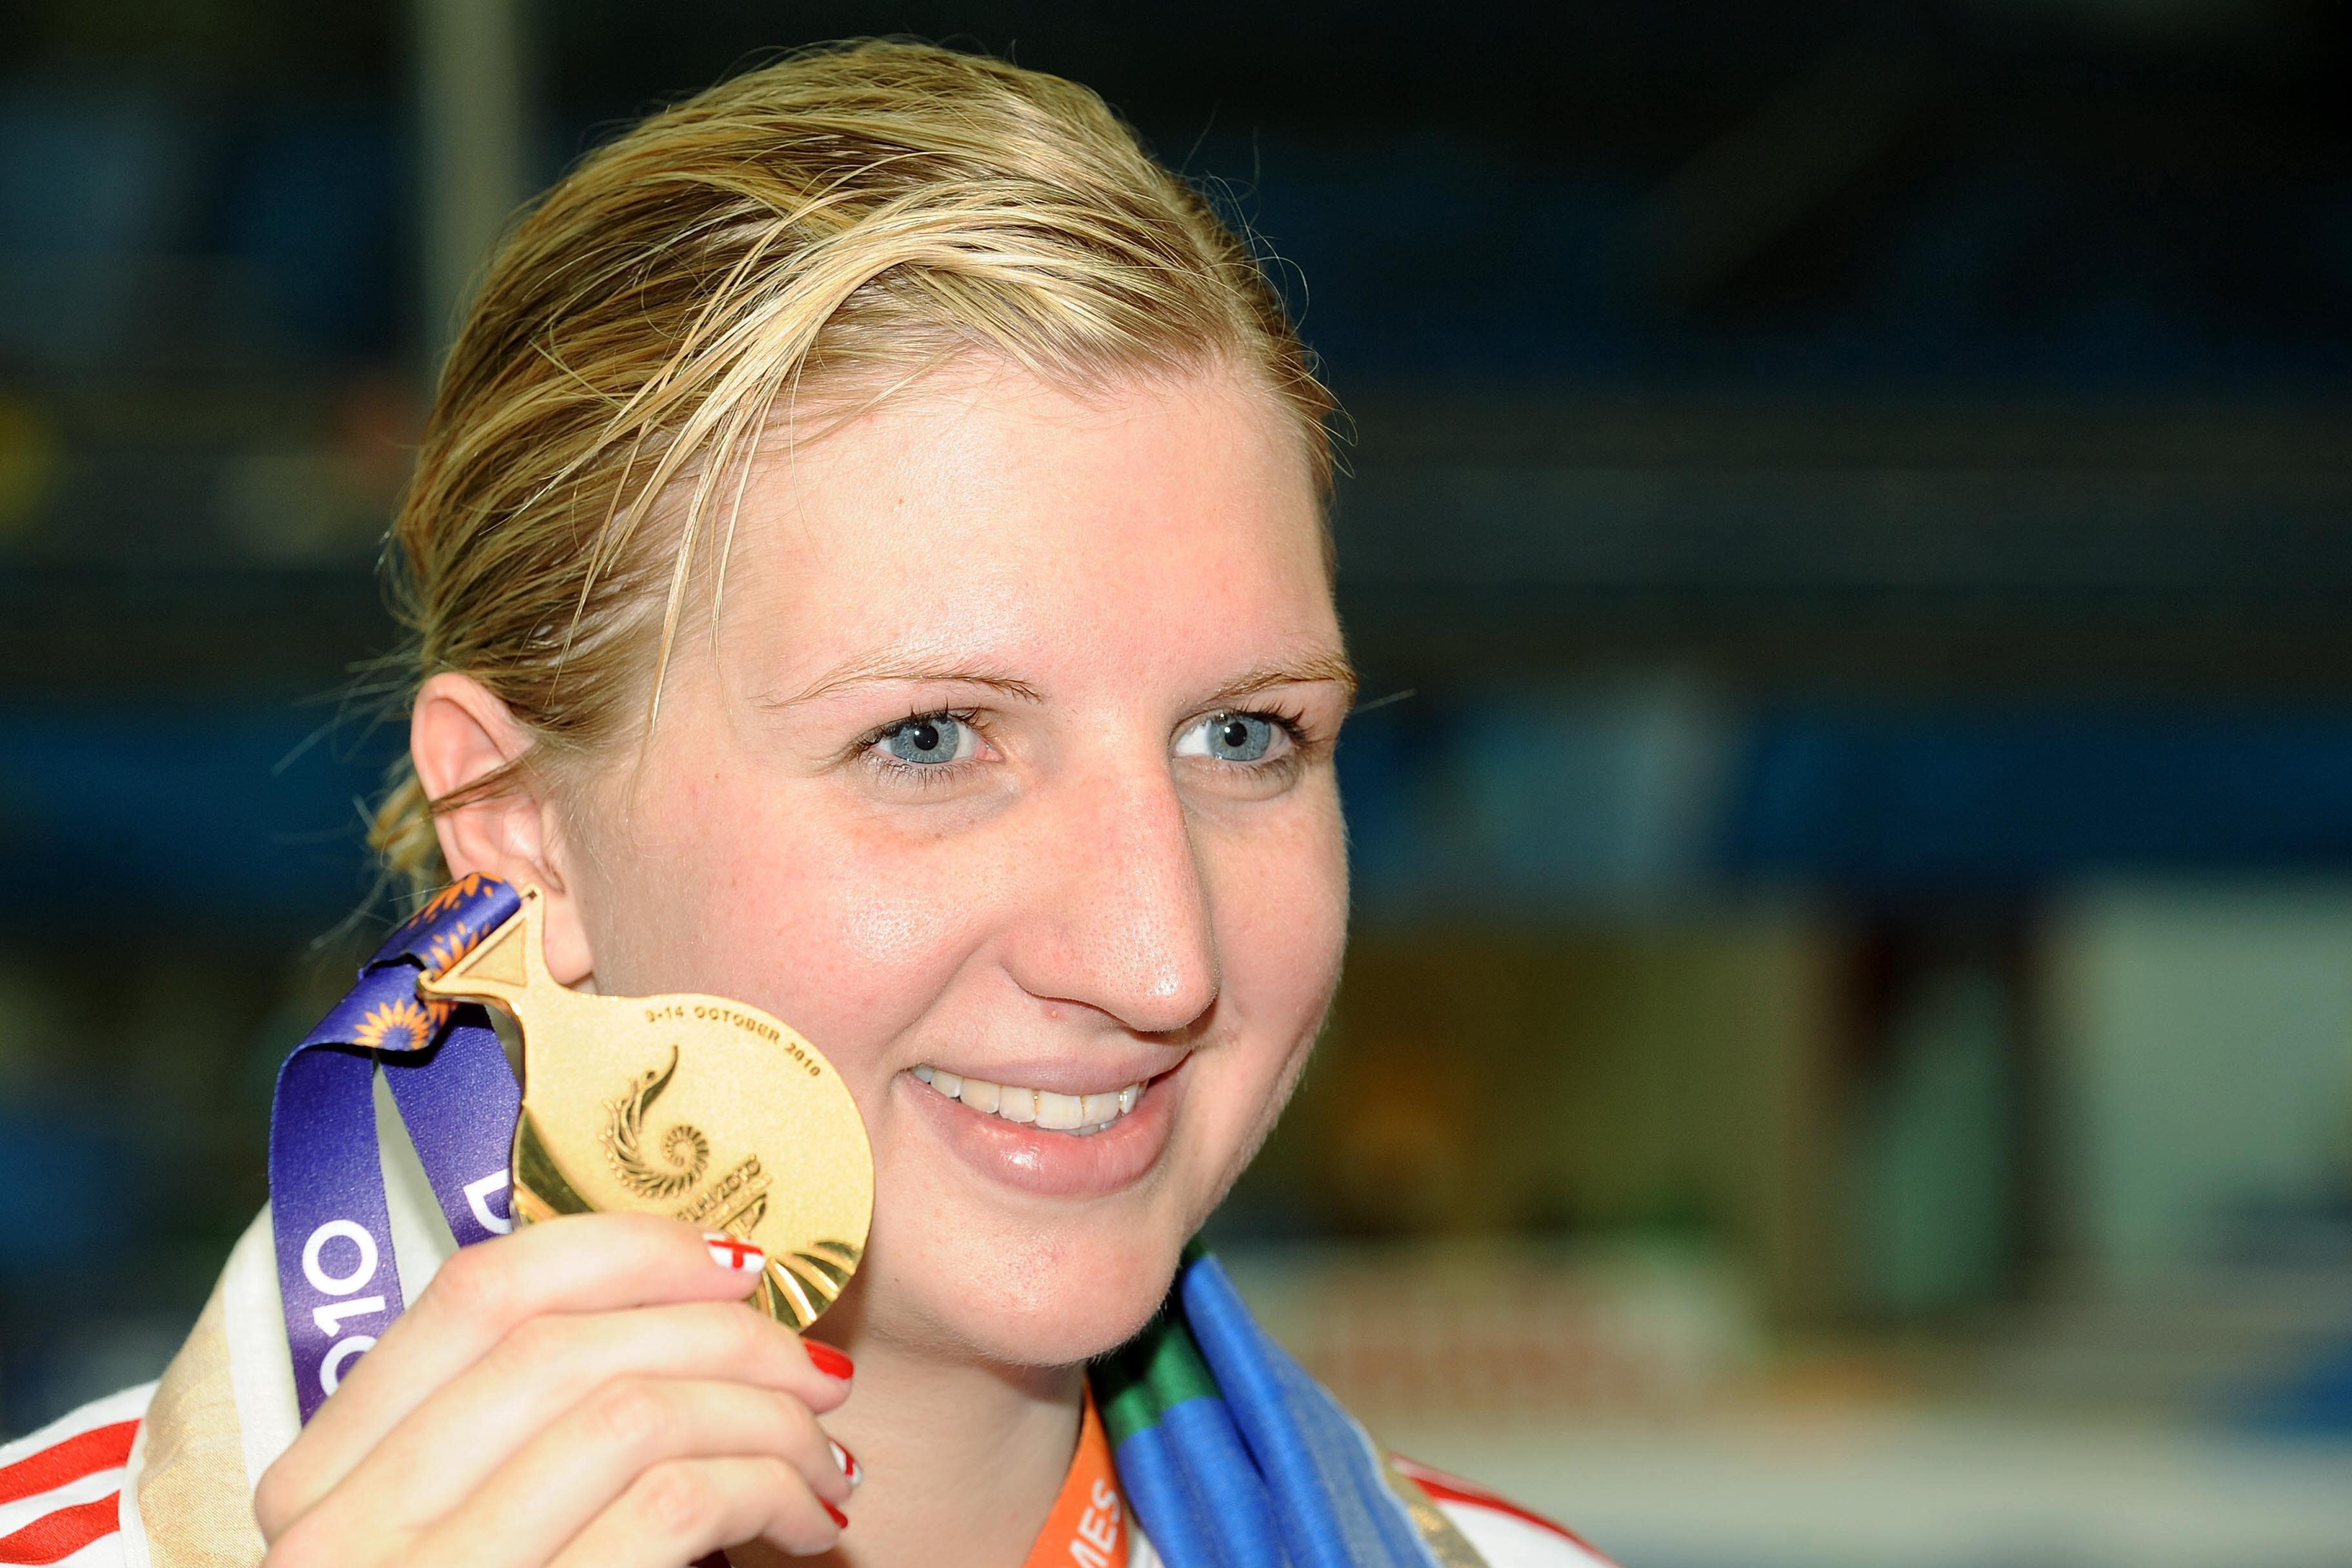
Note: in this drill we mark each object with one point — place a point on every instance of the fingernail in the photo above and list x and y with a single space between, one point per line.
829 1361
848 1463
839 1518
734 1254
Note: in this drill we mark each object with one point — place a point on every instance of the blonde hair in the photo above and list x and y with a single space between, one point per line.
833 226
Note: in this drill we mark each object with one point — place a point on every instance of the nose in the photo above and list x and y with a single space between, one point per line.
1117 916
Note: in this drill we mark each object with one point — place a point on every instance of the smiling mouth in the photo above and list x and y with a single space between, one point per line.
1080 1114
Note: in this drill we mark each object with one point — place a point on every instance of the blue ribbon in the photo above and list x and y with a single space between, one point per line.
449 1077
1233 1456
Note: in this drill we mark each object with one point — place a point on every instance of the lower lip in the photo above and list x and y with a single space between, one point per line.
1055 1164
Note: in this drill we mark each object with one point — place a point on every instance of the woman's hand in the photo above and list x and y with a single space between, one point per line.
590 1391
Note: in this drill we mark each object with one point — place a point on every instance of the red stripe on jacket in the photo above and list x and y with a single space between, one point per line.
54 1537
59 1533
1447 1488
84 1453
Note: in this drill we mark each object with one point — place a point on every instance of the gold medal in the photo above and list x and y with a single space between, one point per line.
696 1106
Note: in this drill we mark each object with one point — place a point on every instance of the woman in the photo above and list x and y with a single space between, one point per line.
867 560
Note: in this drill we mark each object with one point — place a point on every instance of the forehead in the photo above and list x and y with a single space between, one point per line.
991 510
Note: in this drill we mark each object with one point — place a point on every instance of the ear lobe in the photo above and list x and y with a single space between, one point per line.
458 735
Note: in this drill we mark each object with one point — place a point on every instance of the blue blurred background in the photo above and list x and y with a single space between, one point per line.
1847 1052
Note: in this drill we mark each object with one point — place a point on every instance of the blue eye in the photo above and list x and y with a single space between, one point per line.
1229 738
928 739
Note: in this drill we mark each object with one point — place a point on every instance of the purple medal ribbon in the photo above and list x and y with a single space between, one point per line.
456 1096
449 1076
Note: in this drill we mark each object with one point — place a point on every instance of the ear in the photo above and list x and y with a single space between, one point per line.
459 734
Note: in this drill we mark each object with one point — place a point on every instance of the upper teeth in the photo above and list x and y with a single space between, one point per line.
1055 1112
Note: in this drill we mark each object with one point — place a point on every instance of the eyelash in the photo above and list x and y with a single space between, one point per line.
931 776
1290 722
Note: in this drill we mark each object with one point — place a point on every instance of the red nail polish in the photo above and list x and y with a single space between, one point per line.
839 1518
829 1361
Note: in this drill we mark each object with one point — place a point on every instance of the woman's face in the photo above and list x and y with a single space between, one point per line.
1009 761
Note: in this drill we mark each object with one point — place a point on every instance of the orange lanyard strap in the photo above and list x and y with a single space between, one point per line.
1087 1528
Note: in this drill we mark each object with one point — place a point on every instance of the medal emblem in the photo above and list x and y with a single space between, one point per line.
697 1106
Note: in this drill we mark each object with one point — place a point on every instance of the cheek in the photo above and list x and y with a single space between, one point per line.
1282 917
764 895
873 938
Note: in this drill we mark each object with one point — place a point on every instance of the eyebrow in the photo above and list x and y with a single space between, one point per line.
1332 667
869 670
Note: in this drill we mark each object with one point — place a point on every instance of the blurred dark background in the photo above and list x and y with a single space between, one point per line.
1849 536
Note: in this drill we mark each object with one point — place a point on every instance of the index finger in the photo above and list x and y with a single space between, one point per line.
580 1263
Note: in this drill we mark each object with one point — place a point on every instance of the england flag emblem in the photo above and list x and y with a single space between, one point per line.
734 1254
